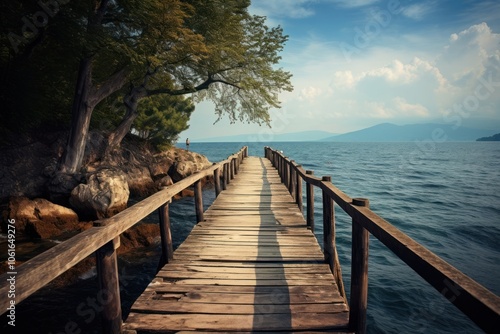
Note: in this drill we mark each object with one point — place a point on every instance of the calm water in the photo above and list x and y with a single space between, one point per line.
445 196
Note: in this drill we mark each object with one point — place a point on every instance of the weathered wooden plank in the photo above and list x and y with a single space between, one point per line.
242 270
223 264
250 322
252 307
160 287
168 274
252 282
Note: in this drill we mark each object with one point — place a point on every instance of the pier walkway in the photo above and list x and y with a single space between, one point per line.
250 265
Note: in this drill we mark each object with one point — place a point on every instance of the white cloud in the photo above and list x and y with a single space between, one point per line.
473 55
408 109
405 91
310 93
399 84
419 10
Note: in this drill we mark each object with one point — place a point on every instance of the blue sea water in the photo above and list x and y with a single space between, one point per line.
446 196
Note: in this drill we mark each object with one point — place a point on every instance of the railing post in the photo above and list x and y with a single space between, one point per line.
231 169
280 167
298 190
198 201
236 165
310 202
217 182
167 248
109 286
224 176
227 166
328 227
292 180
286 174
359 273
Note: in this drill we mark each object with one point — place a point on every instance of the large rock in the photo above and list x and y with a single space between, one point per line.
140 235
105 194
187 163
139 180
40 218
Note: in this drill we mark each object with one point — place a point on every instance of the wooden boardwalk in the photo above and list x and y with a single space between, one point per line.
251 265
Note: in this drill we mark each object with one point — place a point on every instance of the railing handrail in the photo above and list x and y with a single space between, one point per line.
474 300
37 272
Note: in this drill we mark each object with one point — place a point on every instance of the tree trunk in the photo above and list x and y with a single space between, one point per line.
80 120
131 102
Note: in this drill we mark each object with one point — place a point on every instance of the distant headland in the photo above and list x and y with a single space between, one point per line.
491 138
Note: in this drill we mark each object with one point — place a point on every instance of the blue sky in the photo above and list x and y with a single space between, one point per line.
358 63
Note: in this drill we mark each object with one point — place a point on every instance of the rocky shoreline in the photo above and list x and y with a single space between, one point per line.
47 205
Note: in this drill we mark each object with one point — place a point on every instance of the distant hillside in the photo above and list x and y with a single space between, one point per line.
267 136
495 137
388 132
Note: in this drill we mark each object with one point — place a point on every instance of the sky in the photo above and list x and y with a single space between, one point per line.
358 63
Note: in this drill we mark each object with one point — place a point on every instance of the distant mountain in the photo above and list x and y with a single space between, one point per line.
267 136
388 132
495 137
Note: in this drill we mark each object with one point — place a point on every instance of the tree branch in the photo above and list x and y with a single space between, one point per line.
204 85
114 83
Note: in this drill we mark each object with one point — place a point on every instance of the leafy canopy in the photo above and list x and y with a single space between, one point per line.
162 118
212 49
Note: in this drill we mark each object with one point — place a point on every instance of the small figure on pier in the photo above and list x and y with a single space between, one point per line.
187 144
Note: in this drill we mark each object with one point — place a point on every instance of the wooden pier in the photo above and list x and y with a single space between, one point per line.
251 264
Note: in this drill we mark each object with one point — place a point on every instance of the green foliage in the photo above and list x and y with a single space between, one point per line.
212 49
161 119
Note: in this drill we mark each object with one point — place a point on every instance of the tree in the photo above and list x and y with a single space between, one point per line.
236 71
213 49
122 36
161 118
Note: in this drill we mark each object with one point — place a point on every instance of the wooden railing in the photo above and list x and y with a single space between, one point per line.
479 304
103 240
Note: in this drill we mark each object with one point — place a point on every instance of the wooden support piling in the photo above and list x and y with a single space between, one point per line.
217 183
328 227
167 249
109 286
298 190
310 202
293 181
359 273
198 201
231 169
224 177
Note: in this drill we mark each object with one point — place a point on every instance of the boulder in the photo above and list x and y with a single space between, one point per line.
139 180
141 235
165 181
187 163
40 218
161 163
105 194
